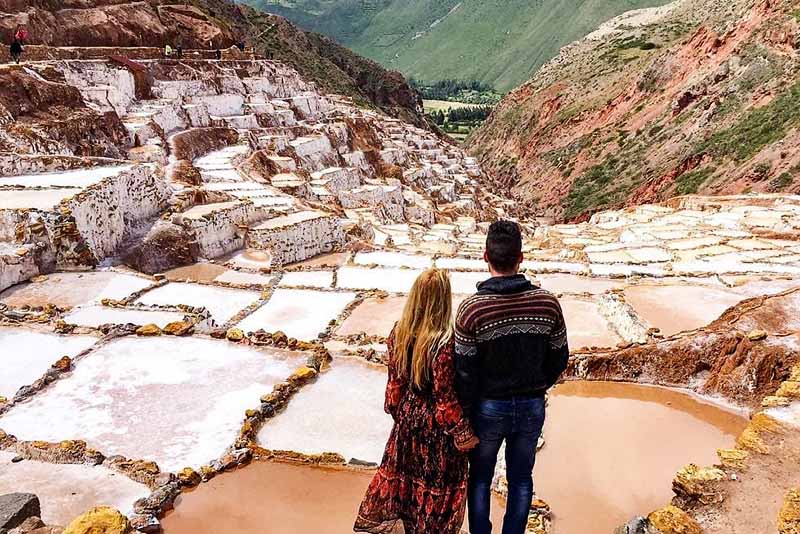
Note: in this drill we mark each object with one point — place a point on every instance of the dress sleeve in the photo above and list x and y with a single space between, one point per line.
448 410
396 385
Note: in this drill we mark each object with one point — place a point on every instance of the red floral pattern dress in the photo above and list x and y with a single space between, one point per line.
422 480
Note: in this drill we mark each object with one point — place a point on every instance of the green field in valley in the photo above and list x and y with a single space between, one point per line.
497 42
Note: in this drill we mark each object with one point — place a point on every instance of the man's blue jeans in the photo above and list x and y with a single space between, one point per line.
519 422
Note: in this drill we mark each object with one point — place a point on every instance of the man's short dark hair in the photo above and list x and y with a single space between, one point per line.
504 245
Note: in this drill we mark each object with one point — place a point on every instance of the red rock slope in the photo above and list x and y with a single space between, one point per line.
211 24
698 97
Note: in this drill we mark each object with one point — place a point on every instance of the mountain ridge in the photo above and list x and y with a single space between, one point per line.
698 99
496 42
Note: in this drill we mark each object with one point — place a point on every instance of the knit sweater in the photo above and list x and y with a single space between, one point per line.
511 340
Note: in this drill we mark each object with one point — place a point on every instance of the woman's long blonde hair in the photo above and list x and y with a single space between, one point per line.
425 327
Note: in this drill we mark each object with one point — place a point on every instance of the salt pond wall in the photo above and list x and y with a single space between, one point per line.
298 237
108 211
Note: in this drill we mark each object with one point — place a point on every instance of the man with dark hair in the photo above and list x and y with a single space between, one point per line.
511 347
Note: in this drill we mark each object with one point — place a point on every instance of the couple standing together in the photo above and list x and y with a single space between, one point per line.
455 397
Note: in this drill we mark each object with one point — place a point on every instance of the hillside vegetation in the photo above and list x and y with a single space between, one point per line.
497 42
702 97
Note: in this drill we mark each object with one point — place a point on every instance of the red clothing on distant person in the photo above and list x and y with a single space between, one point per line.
21 35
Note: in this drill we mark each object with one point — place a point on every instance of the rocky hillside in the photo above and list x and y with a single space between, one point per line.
207 24
498 43
695 97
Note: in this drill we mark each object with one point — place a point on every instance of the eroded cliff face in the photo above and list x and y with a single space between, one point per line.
210 24
693 97
48 115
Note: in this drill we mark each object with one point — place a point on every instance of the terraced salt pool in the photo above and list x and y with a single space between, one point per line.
611 453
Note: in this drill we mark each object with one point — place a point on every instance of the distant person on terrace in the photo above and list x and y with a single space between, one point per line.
21 34
511 347
16 50
422 481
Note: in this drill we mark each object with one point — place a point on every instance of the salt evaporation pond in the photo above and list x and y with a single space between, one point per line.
611 453
179 402
23 366
301 314
612 450
65 491
698 305
94 316
67 290
586 326
275 498
342 412
223 303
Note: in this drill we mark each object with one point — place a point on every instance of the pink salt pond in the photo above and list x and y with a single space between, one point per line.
275 498
68 290
374 316
677 308
586 326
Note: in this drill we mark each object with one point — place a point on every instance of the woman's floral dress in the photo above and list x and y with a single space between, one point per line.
422 480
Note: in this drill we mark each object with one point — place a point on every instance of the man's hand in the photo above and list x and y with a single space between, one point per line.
468 445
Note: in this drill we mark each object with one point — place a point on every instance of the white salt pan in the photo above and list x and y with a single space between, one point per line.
178 402
461 263
26 355
79 178
66 491
341 412
43 199
392 280
243 278
301 314
465 283
94 316
393 259
223 303
322 279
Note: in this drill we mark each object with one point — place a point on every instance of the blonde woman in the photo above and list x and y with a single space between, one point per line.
422 480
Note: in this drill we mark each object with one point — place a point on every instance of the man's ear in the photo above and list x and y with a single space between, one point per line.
486 256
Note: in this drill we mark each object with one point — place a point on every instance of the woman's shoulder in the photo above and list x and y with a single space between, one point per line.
447 348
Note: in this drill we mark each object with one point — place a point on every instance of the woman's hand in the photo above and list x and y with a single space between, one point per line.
468 445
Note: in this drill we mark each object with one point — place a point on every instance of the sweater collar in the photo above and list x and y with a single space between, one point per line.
505 285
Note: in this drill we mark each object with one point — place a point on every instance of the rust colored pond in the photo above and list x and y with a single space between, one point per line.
612 449
274 498
611 452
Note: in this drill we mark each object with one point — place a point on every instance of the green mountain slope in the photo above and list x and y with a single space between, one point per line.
499 42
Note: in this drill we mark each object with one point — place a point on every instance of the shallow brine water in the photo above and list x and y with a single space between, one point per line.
611 453
275 498
612 449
